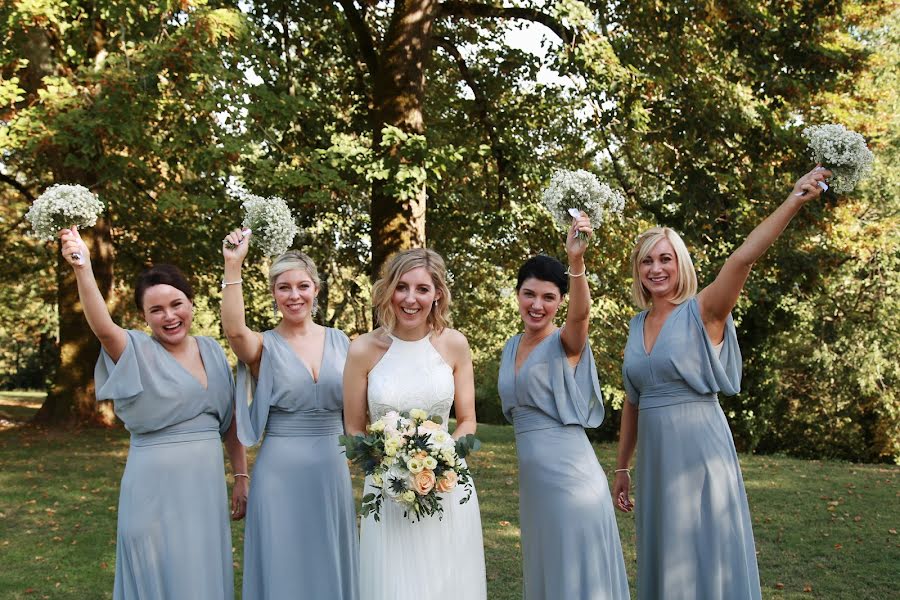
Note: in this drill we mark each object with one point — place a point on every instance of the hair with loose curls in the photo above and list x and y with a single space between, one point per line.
687 276
161 274
289 261
397 266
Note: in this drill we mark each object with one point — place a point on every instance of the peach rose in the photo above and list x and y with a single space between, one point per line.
429 426
423 482
447 482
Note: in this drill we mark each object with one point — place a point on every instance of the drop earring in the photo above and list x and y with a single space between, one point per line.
275 307
315 307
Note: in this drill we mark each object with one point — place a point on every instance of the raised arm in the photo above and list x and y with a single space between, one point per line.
112 337
719 298
574 333
246 343
356 378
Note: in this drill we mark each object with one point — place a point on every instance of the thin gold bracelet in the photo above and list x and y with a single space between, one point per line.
571 274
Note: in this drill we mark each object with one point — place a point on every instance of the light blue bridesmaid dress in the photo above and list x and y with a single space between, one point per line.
300 538
173 538
570 540
694 538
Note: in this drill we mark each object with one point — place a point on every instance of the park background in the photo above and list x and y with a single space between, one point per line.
392 124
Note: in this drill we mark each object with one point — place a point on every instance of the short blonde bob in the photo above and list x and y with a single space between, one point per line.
397 266
289 261
687 277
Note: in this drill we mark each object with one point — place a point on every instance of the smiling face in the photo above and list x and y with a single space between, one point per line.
659 270
412 300
168 312
539 302
294 292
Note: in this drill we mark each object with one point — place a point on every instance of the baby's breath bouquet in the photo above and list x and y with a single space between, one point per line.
62 206
572 191
271 222
841 151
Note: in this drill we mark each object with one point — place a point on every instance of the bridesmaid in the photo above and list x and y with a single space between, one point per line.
694 538
174 392
300 536
550 392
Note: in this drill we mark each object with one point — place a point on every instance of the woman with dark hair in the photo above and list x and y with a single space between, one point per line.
550 392
694 534
414 360
300 538
175 394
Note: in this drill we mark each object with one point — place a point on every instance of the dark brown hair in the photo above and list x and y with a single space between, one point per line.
161 275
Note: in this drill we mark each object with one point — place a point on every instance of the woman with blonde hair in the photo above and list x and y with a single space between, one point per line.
414 360
694 535
300 535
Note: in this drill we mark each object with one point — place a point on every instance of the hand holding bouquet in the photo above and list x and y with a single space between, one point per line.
271 222
62 207
413 461
841 151
572 192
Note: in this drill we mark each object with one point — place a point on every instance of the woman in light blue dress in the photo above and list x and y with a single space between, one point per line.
175 394
694 535
300 538
550 393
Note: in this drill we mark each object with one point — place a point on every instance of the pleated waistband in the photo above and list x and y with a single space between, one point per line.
526 418
668 394
201 427
305 423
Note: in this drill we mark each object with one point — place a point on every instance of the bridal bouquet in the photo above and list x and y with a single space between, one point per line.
572 191
61 207
271 222
413 461
841 151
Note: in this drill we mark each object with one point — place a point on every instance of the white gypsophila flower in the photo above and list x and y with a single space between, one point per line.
843 152
62 206
581 190
271 222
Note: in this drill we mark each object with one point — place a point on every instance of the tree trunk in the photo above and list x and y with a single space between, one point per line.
70 400
399 89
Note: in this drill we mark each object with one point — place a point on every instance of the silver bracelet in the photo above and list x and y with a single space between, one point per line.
227 283
571 274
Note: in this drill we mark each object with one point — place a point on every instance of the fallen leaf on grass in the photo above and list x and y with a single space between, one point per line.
779 586
504 523
807 588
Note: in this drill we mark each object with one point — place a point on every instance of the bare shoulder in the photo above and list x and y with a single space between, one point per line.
368 348
452 342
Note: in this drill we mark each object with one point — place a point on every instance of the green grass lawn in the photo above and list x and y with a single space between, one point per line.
823 529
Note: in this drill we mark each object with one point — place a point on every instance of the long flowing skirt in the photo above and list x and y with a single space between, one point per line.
694 537
300 535
438 559
570 539
173 538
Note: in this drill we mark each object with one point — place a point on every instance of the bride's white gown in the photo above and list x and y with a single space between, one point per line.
438 559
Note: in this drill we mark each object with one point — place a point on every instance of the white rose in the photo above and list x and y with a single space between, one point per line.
449 457
417 414
408 497
376 427
430 462
415 465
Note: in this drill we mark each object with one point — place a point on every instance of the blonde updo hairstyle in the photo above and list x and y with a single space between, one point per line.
397 266
643 246
289 261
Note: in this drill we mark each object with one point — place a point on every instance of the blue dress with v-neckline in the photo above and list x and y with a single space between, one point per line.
173 538
300 536
570 540
694 535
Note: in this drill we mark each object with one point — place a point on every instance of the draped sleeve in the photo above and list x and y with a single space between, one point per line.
706 369
120 381
220 373
254 396
576 392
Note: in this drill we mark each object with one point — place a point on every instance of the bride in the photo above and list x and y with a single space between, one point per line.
413 360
